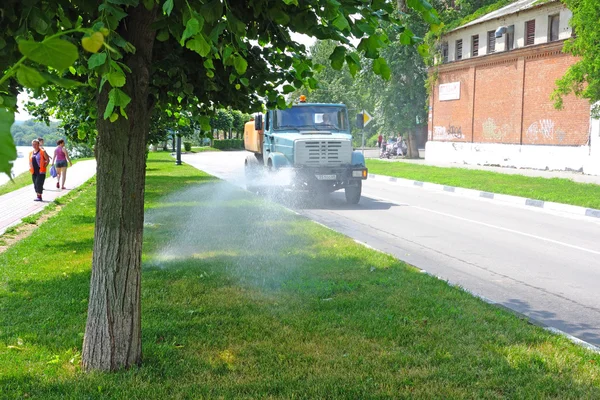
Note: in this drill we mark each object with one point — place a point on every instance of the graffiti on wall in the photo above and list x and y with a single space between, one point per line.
447 133
544 130
493 132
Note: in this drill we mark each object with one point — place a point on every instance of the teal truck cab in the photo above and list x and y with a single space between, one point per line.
310 140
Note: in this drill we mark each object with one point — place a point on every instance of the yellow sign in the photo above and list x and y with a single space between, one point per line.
367 118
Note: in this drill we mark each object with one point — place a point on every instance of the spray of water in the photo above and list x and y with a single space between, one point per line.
218 225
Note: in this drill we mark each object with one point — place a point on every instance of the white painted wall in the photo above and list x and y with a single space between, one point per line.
540 15
576 158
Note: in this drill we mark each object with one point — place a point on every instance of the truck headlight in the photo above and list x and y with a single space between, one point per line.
357 174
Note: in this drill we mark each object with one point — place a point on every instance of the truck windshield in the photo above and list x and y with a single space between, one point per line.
321 118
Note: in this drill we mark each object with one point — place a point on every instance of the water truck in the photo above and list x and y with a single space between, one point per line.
312 141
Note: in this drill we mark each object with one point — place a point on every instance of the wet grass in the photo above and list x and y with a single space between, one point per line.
558 190
243 299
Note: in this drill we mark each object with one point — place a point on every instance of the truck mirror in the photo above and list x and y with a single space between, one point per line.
360 124
258 122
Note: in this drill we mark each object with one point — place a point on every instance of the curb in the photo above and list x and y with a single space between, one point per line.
505 198
529 319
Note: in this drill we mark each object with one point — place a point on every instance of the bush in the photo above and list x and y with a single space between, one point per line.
228 144
187 146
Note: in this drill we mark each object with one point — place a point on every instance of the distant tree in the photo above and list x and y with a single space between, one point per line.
583 77
222 121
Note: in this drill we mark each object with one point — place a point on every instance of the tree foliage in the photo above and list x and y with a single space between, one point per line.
582 78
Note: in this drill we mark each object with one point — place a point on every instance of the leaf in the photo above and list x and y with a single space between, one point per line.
55 53
212 11
406 36
60 81
93 43
8 151
168 7
423 50
245 81
192 27
288 2
288 89
199 45
162 35
208 64
281 104
116 98
149 4
337 57
30 77
240 64
116 79
96 60
381 68
365 27
114 117
341 23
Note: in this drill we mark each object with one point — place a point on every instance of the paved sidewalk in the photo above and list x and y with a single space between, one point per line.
17 205
574 176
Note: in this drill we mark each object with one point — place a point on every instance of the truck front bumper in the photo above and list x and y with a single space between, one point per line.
338 175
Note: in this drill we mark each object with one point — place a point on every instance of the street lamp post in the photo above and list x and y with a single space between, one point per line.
178 162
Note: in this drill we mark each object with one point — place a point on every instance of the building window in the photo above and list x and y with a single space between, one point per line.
445 51
510 38
459 49
530 32
491 43
474 45
553 23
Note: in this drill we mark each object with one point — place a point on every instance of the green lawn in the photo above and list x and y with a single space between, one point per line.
555 189
24 179
243 299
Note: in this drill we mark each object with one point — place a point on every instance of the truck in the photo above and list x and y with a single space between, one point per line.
312 142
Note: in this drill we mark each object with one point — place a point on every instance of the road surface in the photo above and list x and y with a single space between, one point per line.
543 264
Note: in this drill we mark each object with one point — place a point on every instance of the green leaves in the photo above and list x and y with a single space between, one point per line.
337 57
29 77
341 23
55 53
240 64
8 151
199 45
96 60
93 43
192 27
116 98
380 67
116 79
168 7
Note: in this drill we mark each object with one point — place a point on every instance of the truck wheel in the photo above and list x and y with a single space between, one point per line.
353 193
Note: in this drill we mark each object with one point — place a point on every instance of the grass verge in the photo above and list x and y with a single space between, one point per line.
558 190
24 179
243 299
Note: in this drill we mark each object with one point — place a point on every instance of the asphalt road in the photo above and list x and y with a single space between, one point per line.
543 264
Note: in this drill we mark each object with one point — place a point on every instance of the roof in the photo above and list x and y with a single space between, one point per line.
513 8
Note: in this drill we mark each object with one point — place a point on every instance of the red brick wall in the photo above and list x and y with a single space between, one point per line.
542 123
452 119
497 117
510 105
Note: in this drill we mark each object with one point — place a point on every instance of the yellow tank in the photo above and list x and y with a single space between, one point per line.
253 139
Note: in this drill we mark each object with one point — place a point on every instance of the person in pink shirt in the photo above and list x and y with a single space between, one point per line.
61 157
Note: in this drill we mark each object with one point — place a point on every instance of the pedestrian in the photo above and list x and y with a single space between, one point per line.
61 157
379 140
41 140
383 144
38 161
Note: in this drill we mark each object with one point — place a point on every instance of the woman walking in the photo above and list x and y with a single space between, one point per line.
38 161
61 157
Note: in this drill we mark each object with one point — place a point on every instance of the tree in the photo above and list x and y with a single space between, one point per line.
583 77
222 121
199 55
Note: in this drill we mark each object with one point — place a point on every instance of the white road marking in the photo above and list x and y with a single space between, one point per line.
501 228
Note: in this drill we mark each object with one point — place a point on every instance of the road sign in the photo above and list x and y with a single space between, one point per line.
367 118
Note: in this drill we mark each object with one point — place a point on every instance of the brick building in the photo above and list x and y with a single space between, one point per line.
491 102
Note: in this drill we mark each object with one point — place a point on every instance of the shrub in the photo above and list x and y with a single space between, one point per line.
228 144
187 146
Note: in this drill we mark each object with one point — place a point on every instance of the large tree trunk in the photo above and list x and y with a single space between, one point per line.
113 332
413 148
